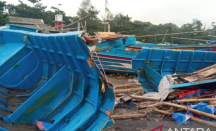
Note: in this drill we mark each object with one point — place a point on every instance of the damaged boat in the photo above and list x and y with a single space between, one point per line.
50 81
114 53
153 64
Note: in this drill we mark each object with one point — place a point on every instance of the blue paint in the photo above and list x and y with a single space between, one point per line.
112 54
64 87
24 28
153 64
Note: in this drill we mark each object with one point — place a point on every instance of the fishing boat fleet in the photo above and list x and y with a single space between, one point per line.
116 55
54 82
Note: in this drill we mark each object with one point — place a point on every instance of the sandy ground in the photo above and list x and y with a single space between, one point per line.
152 121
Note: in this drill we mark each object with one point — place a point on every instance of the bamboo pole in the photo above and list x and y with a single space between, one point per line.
128 90
212 105
129 116
127 85
190 39
172 33
208 123
194 100
180 107
145 98
191 110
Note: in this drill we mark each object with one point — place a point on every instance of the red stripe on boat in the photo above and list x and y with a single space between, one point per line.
114 57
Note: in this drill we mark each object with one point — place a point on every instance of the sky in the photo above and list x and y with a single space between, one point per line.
157 12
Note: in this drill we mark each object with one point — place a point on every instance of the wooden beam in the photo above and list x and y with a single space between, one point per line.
208 123
128 90
145 98
128 116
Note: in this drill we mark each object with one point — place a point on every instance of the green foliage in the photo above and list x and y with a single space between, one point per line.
3 15
94 24
123 24
34 1
119 22
37 11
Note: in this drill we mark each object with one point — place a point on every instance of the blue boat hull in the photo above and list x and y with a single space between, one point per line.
114 57
57 78
153 64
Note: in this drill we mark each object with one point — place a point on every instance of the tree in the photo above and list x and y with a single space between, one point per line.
94 24
119 22
85 5
34 1
3 15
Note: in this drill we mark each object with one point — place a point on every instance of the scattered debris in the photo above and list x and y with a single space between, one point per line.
126 98
193 102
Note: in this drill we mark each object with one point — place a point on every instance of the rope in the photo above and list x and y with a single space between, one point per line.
103 71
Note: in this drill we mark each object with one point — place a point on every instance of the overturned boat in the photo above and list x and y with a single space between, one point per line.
50 81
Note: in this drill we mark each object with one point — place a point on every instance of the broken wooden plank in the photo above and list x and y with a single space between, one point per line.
128 90
200 75
126 98
209 67
127 85
145 98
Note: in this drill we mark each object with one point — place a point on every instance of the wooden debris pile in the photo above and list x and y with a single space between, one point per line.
197 100
101 37
203 74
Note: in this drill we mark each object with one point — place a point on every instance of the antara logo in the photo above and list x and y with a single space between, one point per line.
189 129
181 129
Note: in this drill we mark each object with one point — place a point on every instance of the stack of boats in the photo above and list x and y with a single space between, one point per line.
116 55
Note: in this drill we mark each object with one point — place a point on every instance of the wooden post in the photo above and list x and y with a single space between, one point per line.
78 28
85 27
108 27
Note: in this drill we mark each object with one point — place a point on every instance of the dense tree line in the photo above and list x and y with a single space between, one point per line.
119 22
